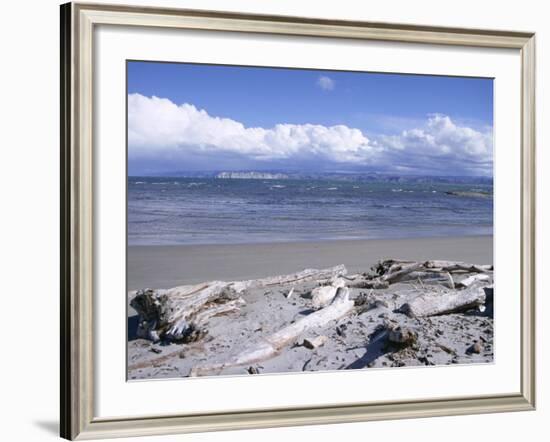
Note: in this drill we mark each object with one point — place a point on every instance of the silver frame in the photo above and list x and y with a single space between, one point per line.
77 389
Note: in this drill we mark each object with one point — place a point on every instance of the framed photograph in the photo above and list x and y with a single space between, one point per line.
275 220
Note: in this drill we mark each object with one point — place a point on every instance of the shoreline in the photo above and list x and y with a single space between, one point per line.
165 266
316 240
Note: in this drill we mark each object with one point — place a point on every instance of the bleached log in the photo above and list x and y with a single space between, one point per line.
471 280
168 314
364 283
171 313
296 278
431 304
271 345
351 277
337 282
203 316
450 281
443 278
392 271
403 272
454 266
425 276
389 266
322 296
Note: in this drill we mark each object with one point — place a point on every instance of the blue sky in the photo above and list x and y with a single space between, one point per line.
188 117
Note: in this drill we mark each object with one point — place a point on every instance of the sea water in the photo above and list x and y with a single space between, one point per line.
165 211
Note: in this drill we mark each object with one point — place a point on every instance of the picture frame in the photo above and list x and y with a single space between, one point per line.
78 202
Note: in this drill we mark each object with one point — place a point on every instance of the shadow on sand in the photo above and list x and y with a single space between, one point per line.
375 349
132 327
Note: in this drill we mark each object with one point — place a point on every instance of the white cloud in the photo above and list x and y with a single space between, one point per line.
184 136
441 145
326 83
158 126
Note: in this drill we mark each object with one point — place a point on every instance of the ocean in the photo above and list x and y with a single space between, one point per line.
175 211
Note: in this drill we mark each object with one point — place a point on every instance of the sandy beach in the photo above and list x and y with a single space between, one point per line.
298 237
372 327
170 266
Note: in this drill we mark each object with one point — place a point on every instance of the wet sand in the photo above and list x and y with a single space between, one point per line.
170 266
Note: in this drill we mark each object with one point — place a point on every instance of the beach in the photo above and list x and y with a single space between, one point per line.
300 237
256 326
170 266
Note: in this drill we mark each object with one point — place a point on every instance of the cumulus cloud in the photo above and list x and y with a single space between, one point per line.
326 83
158 126
441 146
183 136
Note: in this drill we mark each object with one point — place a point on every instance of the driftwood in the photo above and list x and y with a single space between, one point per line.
323 296
174 313
457 266
182 314
294 278
471 280
350 277
171 314
392 271
389 265
431 304
402 272
450 281
338 282
217 310
364 283
444 278
271 345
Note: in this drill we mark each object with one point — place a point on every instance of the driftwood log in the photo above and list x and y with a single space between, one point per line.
294 278
271 345
473 279
393 271
366 283
323 296
457 266
431 304
176 314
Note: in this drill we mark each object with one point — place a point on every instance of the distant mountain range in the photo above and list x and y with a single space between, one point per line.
252 176
337 176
